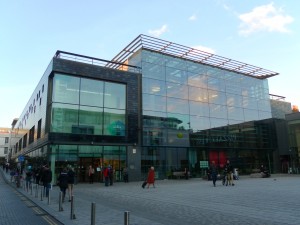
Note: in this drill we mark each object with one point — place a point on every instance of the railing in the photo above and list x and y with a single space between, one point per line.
96 61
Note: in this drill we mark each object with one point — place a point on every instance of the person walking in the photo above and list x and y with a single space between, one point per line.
125 175
63 183
213 172
151 177
229 170
71 181
46 178
28 179
91 174
106 176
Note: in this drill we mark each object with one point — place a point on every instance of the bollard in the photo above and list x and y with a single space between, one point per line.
41 193
93 216
72 208
49 197
126 218
60 208
36 191
31 189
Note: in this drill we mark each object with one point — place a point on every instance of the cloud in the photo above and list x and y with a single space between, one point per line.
205 49
158 32
193 17
264 18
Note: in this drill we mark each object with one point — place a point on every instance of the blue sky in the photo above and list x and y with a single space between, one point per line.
258 32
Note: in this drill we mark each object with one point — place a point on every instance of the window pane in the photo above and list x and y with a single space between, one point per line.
114 122
198 94
115 95
91 92
218 111
177 90
66 89
153 71
154 102
154 119
235 113
64 117
199 123
197 80
90 120
178 121
177 106
176 75
153 86
217 97
199 108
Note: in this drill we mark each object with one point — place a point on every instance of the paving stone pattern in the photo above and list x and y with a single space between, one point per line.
252 201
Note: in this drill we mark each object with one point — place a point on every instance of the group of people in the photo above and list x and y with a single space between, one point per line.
227 178
66 180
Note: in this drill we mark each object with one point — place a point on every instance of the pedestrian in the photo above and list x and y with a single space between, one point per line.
229 170
186 173
125 175
63 183
106 176
213 172
46 179
91 174
71 181
28 179
151 177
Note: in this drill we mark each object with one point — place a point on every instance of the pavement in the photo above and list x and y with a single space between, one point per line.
255 201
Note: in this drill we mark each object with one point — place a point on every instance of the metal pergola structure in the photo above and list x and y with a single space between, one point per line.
192 54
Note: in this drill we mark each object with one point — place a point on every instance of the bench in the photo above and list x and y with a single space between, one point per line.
179 174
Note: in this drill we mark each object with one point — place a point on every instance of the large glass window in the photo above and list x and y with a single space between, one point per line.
91 120
64 117
177 90
152 86
198 94
176 75
100 111
91 92
115 96
199 108
177 106
114 122
154 71
66 89
154 102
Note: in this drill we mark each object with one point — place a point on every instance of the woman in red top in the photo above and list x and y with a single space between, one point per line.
151 177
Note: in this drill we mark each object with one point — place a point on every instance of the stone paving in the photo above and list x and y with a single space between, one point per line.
255 201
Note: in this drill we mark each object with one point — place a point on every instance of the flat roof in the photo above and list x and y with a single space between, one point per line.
192 54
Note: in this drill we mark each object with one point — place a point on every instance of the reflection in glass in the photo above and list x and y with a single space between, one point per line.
199 123
91 92
177 106
198 94
114 122
176 75
154 71
199 108
65 89
115 95
63 117
154 102
218 111
197 80
177 90
91 119
152 86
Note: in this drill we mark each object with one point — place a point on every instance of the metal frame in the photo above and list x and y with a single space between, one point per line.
192 54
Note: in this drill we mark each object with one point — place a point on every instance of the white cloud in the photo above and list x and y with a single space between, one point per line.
264 18
193 17
158 32
205 49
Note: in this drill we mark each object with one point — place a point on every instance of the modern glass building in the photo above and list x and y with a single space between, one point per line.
156 103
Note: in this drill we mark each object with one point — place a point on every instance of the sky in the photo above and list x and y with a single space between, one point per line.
262 33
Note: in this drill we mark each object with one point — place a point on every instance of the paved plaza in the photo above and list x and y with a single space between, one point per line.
261 201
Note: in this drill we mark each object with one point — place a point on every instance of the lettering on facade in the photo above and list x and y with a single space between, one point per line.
214 139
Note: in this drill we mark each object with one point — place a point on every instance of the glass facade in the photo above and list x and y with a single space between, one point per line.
183 99
86 106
